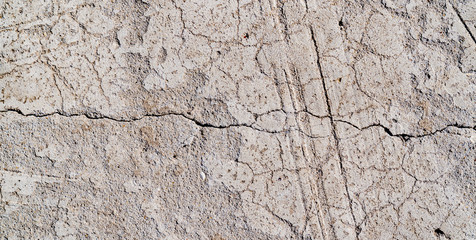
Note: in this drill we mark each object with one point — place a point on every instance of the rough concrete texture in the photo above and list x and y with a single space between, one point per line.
189 119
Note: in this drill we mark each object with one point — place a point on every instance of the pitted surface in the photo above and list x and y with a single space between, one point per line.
175 119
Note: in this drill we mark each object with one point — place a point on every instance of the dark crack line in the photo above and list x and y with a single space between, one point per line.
291 226
464 24
334 133
33 175
405 136
96 116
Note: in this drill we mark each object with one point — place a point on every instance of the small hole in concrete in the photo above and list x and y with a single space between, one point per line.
439 232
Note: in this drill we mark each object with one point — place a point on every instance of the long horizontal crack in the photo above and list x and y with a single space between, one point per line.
197 122
99 117
406 136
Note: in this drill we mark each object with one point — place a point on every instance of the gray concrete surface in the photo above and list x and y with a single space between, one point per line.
270 119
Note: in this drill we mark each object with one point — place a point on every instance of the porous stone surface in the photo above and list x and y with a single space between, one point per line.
188 119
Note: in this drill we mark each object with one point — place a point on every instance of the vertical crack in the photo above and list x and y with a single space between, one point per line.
334 133
290 76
